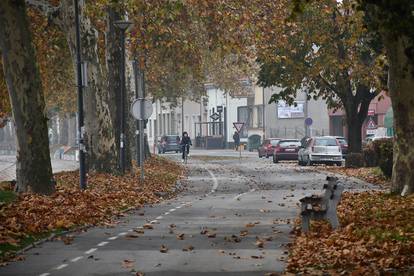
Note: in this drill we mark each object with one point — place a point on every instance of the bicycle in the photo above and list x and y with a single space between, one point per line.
185 149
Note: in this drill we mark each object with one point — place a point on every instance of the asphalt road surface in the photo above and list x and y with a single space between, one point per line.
234 217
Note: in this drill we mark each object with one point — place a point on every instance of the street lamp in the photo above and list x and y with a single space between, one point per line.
122 26
80 81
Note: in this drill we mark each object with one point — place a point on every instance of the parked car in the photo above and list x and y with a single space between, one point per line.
344 145
267 148
169 143
320 150
286 149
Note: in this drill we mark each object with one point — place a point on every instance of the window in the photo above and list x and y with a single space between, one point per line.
325 142
291 143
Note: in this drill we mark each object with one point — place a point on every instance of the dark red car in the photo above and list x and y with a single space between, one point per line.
268 146
286 149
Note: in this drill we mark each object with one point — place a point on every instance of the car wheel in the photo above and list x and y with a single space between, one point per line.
267 155
176 151
339 164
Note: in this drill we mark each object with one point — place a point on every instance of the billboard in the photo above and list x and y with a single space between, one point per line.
285 111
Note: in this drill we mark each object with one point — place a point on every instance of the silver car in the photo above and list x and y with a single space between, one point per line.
320 150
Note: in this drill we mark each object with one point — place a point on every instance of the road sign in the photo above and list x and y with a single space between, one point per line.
238 126
308 121
219 108
215 116
371 124
136 109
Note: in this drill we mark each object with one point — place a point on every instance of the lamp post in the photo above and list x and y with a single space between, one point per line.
80 130
123 26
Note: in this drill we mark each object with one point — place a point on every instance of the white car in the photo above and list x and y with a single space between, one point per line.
320 150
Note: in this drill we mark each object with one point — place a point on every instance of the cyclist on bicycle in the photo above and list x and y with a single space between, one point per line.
185 144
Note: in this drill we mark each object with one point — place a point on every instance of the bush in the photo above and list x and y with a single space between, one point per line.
384 150
370 156
354 160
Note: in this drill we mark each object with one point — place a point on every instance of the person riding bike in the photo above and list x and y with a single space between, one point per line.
185 144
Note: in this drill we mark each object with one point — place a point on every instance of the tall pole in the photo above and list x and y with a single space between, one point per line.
141 125
82 171
182 115
137 144
122 119
264 114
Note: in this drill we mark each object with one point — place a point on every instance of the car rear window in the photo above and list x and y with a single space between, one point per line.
325 142
172 138
292 143
274 142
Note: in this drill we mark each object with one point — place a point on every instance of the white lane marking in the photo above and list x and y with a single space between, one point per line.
130 230
172 210
91 250
153 221
44 274
242 194
166 213
122 234
159 217
113 238
215 184
178 207
103 243
61 266
76 259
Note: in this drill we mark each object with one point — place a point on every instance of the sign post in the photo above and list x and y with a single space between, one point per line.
238 126
141 110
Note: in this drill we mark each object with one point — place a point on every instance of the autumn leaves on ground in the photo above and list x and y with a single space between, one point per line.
30 217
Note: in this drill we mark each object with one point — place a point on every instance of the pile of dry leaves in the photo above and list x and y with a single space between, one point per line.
370 175
377 236
107 195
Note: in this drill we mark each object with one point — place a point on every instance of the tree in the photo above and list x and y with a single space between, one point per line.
394 21
34 171
327 52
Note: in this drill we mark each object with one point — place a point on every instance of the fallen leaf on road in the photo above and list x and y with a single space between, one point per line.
172 225
211 235
188 248
180 236
259 243
131 236
128 264
139 231
250 224
244 233
256 257
163 249
139 274
148 226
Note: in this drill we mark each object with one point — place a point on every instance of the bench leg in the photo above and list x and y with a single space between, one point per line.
333 220
305 223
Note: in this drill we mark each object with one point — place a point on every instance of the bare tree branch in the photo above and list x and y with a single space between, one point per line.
327 83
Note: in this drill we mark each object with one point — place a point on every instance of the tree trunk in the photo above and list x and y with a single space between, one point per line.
401 85
63 129
100 138
71 130
33 170
113 65
354 133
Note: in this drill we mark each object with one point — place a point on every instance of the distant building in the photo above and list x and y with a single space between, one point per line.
374 123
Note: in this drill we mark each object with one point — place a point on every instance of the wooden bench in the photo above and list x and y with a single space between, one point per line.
322 206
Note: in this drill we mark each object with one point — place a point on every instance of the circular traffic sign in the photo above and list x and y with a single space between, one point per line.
308 121
136 109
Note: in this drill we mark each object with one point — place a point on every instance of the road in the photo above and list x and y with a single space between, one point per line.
8 166
235 217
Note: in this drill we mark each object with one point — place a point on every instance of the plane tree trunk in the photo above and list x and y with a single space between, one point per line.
34 171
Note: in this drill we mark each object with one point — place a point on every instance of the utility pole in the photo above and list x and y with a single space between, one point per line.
182 115
264 114
123 26
82 171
